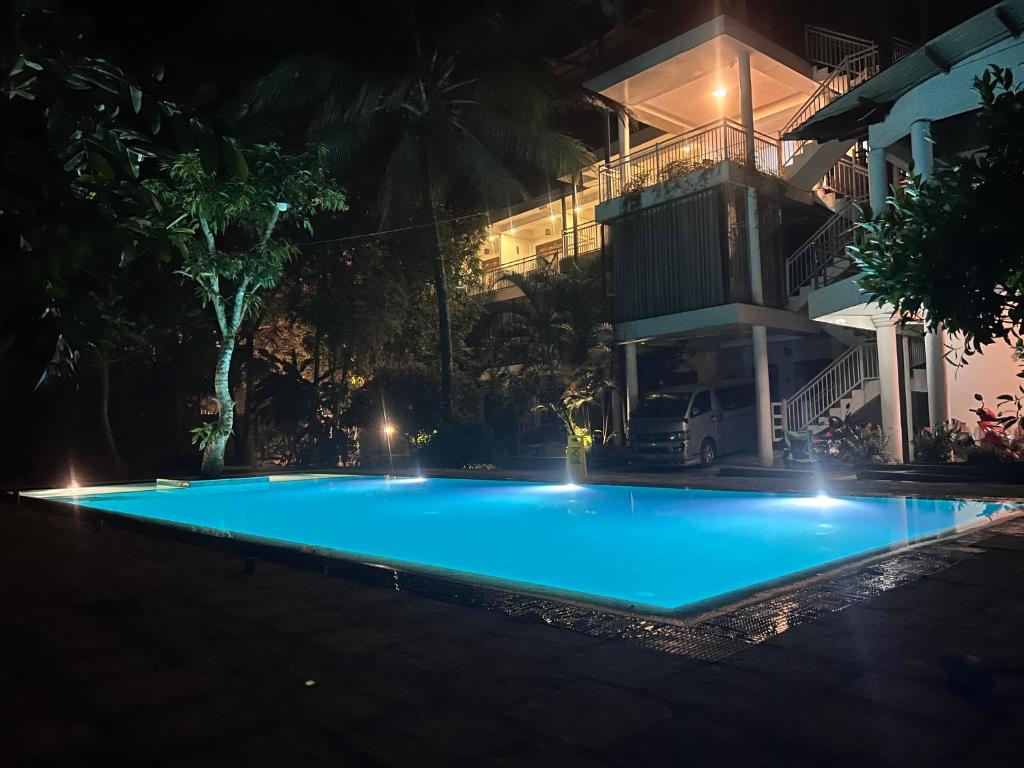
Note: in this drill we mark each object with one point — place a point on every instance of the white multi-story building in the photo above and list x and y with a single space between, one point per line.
731 190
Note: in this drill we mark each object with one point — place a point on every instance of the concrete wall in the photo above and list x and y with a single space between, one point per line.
990 373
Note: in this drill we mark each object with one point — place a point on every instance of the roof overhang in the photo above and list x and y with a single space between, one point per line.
849 116
692 79
712 321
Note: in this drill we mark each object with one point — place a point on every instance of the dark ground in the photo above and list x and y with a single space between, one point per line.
124 648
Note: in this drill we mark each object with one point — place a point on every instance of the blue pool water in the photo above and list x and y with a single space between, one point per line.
658 547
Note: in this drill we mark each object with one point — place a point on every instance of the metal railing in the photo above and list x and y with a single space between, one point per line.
901 48
588 236
491 278
701 148
826 390
808 264
829 48
848 74
847 178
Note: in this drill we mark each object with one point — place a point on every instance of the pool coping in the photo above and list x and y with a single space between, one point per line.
708 630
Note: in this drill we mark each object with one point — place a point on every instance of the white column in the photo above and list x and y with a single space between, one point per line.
624 147
754 248
878 180
632 382
765 451
746 103
889 382
908 398
923 150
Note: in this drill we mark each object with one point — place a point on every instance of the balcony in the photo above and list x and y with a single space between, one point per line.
701 148
584 242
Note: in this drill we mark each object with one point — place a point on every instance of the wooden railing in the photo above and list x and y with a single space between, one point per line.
701 148
826 390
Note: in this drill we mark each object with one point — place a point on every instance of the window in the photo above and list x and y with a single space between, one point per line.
664 404
701 403
737 396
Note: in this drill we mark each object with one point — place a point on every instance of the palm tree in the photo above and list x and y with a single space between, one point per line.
453 128
558 337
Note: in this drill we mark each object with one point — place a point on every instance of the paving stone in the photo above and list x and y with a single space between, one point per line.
590 714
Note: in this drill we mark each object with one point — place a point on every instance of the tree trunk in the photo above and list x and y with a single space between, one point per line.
213 454
444 325
108 431
242 452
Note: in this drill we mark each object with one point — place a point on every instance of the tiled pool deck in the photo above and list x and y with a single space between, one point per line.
124 647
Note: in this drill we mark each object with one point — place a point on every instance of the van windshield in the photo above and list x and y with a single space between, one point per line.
664 404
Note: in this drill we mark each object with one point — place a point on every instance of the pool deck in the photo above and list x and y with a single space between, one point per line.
123 647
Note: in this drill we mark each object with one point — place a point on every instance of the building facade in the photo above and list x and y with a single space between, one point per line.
735 172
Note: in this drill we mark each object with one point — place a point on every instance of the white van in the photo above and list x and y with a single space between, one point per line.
693 424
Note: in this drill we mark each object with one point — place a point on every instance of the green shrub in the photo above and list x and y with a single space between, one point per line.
936 443
457 445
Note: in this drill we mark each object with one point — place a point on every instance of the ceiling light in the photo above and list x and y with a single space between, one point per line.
720 92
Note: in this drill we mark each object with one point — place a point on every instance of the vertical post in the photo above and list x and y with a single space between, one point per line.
763 402
754 248
889 382
624 148
632 380
746 105
908 399
575 221
878 181
922 149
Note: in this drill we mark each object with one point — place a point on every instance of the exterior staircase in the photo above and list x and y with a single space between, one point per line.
846 386
847 61
822 258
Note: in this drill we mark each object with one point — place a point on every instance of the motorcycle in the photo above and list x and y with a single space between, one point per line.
992 431
835 442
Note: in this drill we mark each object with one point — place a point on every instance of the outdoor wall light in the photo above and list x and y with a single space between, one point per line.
282 207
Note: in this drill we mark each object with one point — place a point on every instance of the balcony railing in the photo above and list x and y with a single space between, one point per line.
848 74
589 237
701 148
829 48
847 178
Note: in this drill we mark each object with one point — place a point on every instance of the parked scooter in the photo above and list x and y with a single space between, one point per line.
835 442
992 431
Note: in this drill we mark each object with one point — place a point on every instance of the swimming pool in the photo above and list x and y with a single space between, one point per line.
656 548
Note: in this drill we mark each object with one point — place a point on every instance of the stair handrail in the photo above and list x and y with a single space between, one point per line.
828 47
827 242
849 73
814 399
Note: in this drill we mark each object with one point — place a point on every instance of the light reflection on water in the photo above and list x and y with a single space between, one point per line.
664 547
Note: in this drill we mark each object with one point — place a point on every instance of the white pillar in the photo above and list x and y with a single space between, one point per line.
923 150
746 104
936 370
624 146
908 398
754 248
632 382
765 451
878 180
889 382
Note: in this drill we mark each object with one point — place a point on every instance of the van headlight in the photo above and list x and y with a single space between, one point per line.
680 436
